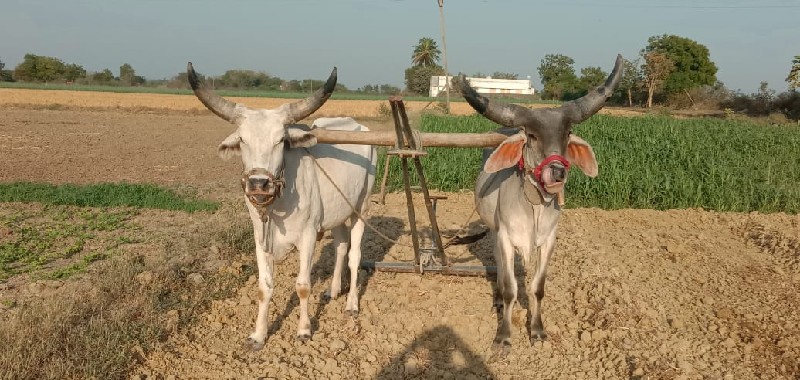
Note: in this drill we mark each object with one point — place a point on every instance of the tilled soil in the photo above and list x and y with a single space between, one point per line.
630 293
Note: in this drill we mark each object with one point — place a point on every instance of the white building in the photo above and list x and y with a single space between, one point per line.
486 85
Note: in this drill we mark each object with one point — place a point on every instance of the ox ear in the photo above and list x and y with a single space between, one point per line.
506 155
300 139
230 146
580 153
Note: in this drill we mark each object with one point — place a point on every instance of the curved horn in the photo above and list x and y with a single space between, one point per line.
506 114
217 104
302 109
584 107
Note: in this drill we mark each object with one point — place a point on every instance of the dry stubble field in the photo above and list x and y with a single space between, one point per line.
630 294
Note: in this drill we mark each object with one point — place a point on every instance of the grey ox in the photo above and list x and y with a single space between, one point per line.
290 199
516 193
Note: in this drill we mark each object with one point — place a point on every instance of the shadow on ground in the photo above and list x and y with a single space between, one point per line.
436 353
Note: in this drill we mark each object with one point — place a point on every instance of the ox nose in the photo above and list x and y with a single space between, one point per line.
258 183
559 173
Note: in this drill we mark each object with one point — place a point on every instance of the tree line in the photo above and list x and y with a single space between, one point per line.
43 69
670 70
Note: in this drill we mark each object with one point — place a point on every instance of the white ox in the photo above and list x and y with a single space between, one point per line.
516 193
289 199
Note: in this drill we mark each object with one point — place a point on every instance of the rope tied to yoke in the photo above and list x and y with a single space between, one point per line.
352 207
453 240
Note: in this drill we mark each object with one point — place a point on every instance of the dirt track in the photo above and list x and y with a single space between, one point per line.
630 293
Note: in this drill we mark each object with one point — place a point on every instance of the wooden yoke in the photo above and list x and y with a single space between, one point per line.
389 138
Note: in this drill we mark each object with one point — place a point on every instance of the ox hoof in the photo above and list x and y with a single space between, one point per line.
538 336
303 337
329 296
351 313
253 344
501 348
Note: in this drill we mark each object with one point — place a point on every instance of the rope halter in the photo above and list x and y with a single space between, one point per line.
537 171
261 198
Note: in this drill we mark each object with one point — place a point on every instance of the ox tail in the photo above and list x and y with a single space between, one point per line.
466 239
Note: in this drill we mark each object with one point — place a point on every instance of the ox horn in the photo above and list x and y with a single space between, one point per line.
506 114
303 108
512 115
222 107
584 107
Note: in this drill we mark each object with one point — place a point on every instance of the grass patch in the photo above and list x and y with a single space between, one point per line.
103 195
33 239
102 326
655 162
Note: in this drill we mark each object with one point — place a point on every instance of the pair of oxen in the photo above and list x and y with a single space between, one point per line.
295 189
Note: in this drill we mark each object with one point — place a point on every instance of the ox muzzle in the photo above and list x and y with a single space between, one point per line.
261 187
551 173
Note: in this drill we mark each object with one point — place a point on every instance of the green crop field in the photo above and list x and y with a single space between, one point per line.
653 162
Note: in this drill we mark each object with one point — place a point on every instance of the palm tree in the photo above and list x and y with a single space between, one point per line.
426 53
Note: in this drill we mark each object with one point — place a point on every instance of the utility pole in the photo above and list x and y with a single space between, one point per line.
444 49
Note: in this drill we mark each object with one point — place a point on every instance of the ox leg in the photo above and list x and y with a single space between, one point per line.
536 288
502 340
340 244
303 283
353 262
265 262
498 291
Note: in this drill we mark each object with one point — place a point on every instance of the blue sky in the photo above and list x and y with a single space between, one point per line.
371 40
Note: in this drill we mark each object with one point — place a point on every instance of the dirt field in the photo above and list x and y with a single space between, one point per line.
630 293
153 102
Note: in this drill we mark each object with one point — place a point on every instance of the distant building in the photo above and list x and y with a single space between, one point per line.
486 85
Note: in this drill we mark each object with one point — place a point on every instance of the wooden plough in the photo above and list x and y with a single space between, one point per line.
407 145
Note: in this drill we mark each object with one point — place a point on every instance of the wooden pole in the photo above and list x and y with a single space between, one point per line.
385 178
444 49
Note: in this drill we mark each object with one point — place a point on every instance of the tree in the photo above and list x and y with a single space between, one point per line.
631 79
764 98
692 65
558 75
103 77
5 75
418 78
379 89
292 86
426 53
49 68
73 71
793 78
249 79
656 69
591 77
39 68
126 74
502 75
